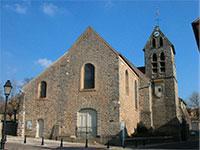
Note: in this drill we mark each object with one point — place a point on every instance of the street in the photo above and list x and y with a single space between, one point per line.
175 145
16 146
33 144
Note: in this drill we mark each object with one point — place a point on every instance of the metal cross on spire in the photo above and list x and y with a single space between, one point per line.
157 19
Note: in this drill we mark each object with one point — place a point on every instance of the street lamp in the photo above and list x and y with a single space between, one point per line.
7 90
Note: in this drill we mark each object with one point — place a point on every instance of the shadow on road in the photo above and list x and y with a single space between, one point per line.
175 145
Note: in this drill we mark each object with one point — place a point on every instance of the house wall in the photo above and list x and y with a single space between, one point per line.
129 113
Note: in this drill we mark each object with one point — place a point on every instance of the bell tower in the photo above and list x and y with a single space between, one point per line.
160 67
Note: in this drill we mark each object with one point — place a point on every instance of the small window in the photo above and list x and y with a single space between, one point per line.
29 125
154 43
155 70
43 89
89 76
127 82
136 93
161 42
154 58
162 69
154 63
162 56
162 62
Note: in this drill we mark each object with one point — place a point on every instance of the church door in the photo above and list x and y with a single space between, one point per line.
40 128
87 123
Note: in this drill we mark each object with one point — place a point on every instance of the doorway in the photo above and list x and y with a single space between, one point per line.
87 122
40 128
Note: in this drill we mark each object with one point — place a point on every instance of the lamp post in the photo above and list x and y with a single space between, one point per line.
7 90
86 139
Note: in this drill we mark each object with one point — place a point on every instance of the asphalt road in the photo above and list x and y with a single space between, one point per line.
176 145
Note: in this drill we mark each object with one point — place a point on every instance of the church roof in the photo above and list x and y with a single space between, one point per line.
135 69
180 99
142 69
196 26
88 31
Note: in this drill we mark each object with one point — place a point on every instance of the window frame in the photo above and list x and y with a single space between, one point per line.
162 66
154 63
161 41
153 43
136 94
41 88
82 78
127 82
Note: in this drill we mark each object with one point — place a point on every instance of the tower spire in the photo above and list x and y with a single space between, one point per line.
157 18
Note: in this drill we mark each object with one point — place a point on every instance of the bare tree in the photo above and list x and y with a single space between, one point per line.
15 100
15 88
27 80
194 100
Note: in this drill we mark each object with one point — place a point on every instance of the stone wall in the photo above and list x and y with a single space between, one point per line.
129 112
145 103
65 97
165 105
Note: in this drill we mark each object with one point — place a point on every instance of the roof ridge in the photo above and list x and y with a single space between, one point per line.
133 67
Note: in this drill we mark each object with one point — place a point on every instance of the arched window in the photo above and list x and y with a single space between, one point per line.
154 63
89 76
154 43
161 42
162 62
154 58
126 82
136 99
43 89
162 56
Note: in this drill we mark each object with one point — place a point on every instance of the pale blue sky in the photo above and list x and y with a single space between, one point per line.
36 33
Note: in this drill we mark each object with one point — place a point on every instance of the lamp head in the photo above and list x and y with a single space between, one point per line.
7 88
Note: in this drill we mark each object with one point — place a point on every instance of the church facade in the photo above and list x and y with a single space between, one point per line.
92 89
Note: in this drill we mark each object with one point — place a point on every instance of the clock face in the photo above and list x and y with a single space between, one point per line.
156 34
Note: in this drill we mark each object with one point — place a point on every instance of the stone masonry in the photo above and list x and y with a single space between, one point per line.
122 95
165 103
65 97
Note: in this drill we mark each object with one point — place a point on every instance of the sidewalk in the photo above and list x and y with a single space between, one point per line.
52 144
47 142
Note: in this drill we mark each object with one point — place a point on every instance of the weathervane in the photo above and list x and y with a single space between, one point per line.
157 19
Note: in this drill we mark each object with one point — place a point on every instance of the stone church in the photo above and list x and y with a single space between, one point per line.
94 89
